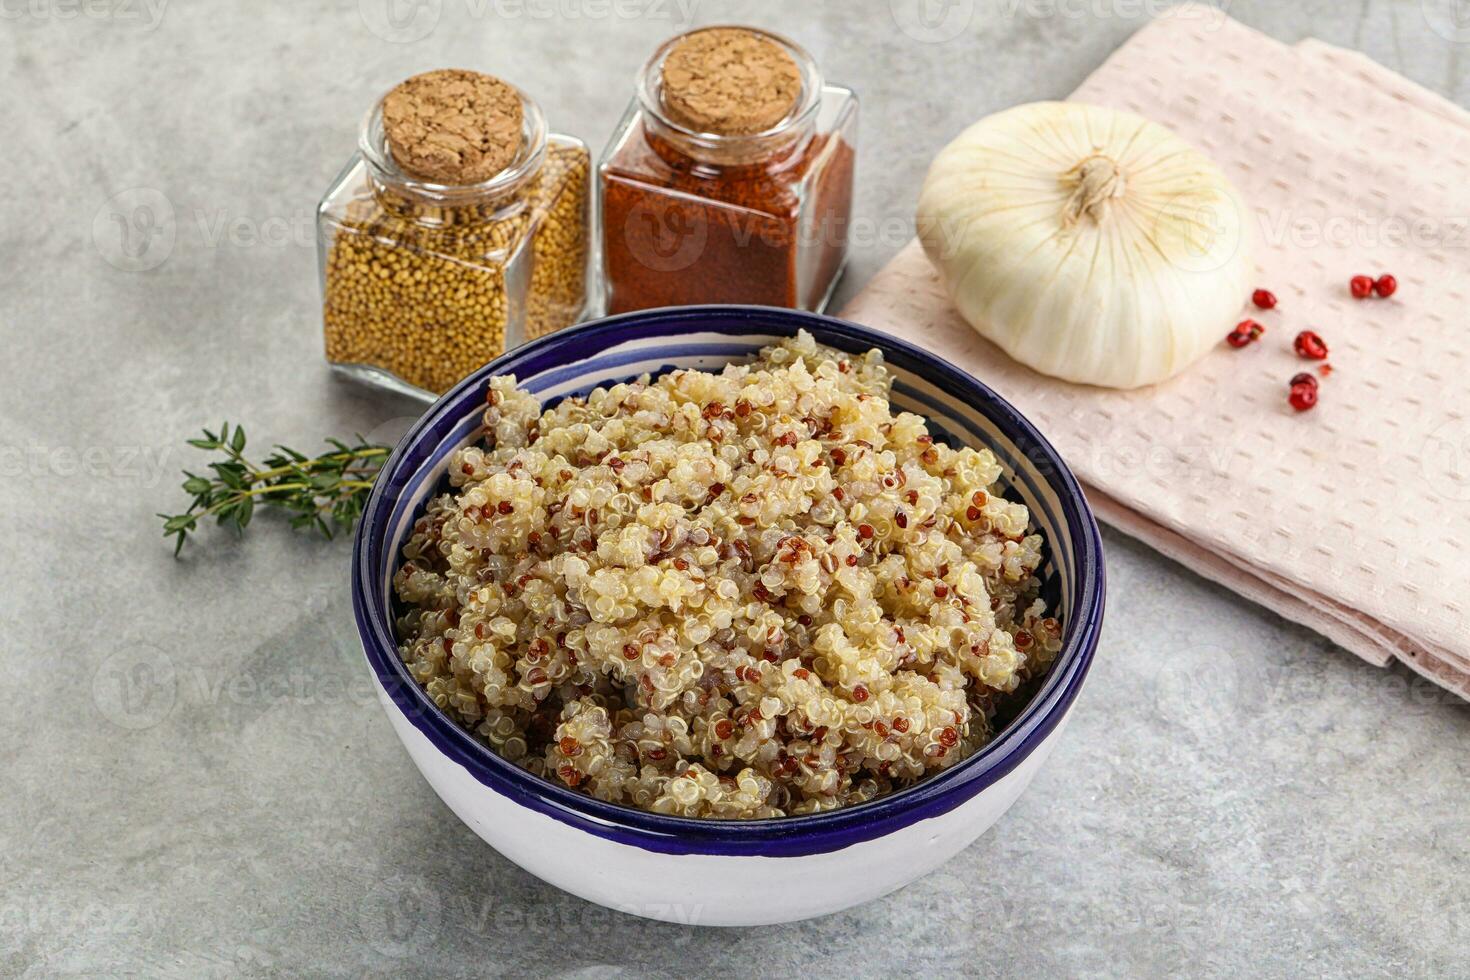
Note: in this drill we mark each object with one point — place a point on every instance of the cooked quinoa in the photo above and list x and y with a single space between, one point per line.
746 594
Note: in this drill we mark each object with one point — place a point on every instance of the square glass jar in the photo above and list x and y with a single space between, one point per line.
690 217
423 282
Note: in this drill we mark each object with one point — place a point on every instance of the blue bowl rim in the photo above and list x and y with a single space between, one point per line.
776 837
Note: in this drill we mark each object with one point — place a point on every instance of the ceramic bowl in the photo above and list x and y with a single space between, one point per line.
721 872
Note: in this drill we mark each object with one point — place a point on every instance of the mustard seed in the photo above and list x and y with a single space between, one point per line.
425 283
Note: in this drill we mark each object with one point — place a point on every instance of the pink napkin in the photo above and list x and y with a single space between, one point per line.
1353 519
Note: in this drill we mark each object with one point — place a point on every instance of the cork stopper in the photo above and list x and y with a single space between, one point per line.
453 126
729 81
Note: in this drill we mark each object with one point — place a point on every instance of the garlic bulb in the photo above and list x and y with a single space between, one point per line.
1090 244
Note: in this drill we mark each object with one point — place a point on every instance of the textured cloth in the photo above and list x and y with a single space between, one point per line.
1354 518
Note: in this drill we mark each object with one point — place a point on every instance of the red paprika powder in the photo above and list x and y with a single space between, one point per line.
730 178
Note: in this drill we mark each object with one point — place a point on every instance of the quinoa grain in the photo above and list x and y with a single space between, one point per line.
724 655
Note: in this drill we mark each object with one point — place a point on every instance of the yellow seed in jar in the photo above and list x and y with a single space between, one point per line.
428 302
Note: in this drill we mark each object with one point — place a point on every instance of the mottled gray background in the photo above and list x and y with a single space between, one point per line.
195 781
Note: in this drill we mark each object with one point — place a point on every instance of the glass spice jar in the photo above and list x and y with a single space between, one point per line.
425 279
697 208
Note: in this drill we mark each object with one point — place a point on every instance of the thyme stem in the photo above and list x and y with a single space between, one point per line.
325 492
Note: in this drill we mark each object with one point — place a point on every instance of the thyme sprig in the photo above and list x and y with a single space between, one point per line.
324 492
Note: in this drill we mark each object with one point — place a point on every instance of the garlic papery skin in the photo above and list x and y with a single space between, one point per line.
1089 244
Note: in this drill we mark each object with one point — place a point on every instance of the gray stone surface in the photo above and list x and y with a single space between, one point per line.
194 780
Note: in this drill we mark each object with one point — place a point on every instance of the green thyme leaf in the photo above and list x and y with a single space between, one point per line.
323 492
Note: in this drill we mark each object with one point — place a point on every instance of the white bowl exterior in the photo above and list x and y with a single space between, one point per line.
704 889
